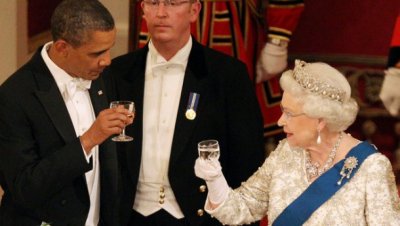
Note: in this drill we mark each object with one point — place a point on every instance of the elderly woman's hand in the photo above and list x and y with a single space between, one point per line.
211 171
207 169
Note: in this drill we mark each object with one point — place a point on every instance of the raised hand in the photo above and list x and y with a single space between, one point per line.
390 94
108 122
211 171
272 61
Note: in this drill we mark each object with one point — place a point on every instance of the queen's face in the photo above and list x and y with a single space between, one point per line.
300 130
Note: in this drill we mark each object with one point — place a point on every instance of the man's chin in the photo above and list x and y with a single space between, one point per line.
162 37
94 76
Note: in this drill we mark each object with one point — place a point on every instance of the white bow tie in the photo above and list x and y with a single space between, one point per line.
77 84
166 66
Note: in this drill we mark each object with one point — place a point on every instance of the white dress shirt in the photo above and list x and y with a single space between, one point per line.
162 92
76 97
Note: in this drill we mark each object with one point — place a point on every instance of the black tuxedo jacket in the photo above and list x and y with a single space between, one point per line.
227 111
42 164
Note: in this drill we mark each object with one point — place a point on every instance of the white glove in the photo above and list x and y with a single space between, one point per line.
390 93
211 172
272 61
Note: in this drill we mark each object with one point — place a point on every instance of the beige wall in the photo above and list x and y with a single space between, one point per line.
8 38
14 41
120 11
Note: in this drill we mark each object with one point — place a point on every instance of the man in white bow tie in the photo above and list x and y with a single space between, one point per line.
184 93
57 165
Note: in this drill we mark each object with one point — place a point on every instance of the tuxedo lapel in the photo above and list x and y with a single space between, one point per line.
131 87
55 107
107 149
194 82
99 103
50 97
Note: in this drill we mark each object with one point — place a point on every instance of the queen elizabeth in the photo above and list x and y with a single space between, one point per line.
318 174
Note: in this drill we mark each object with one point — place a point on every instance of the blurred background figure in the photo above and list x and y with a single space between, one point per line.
390 93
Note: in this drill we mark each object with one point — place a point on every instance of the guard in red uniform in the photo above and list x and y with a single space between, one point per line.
390 94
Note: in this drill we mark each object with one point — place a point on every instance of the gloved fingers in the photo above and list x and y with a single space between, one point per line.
391 103
208 163
207 169
261 74
387 102
394 107
390 94
393 71
274 50
272 61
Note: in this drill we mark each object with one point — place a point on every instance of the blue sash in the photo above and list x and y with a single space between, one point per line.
322 188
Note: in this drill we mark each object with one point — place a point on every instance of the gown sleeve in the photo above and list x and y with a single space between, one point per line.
382 199
249 202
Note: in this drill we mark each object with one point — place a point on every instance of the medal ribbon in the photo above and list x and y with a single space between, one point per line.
193 101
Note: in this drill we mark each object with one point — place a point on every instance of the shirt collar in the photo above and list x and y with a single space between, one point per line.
61 77
180 58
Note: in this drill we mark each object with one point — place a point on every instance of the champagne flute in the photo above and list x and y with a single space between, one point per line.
131 108
208 149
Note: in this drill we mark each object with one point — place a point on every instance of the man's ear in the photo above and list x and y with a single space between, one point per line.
61 47
195 11
142 7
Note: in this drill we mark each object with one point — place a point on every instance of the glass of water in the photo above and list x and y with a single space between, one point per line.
208 149
131 108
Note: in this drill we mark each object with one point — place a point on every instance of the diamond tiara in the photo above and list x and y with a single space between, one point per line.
311 83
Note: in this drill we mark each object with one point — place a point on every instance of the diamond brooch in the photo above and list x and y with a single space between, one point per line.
349 164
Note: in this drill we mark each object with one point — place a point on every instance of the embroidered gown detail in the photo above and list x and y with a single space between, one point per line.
369 198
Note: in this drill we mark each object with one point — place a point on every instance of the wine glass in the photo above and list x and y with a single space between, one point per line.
131 108
208 149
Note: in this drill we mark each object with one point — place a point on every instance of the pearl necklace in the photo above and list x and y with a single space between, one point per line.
314 169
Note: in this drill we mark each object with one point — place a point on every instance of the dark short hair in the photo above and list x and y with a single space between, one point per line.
73 20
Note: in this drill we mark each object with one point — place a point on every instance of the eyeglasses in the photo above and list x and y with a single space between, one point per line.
167 3
288 115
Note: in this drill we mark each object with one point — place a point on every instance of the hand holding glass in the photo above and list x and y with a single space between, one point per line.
208 149
130 106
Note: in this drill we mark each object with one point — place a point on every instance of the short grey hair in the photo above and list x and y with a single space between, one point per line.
339 115
74 20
